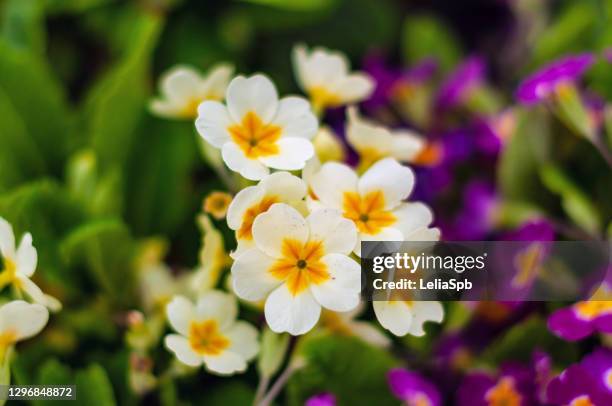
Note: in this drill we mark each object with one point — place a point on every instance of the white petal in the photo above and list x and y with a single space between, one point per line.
293 314
337 233
354 88
424 312
212 123
32 289
412 216
180 83
293 152
287 187
300 65
250 277
395 316
295 117
365 135
7 239
216 82
235 159
179 345
242 246
324 67
280 222
167 108
244 200
23 319
180 312
423 234
27 258
386 234
52 304
341 292
243 339
226 363
217 305
255 94
406 145
387 175
331 182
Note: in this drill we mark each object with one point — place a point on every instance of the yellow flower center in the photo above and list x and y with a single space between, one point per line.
254 137
9 274
503 394
369 156
246 229
608 378
589 310
217 203
367 211
300 265
190 109
583 400
321 98
205 338
528 263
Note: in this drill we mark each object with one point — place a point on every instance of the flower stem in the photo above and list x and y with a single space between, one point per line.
278 385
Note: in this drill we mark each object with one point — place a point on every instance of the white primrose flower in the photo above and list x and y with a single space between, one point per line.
403 317
257 131
299 265
20 320
182 90
209 334
212 258
325 76
374 142
374 202
19 264
250 202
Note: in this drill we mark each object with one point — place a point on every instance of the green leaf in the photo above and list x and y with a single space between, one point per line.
94 387
296 5
115 105
522 339
576 204
227 393
349 368
426 36
20 158
106 249
39 100
23 25
526 152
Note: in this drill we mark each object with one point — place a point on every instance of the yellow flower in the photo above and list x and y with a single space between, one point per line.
217 203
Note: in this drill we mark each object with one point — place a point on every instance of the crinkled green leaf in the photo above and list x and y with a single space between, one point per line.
23 25
575 202
94 387
349 368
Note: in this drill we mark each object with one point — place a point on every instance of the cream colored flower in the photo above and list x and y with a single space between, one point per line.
19 266
255 130
325 76
346 325
20 320
250 202
403 317
183 89
299 265
209 334
217 203
374 142
374 201
158 285
328 147
213 257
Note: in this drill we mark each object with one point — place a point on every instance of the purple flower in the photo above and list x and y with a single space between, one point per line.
584 318
539 85
460 82
412 388
533 230
322 399
477 217
608 54
586 383
516 384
